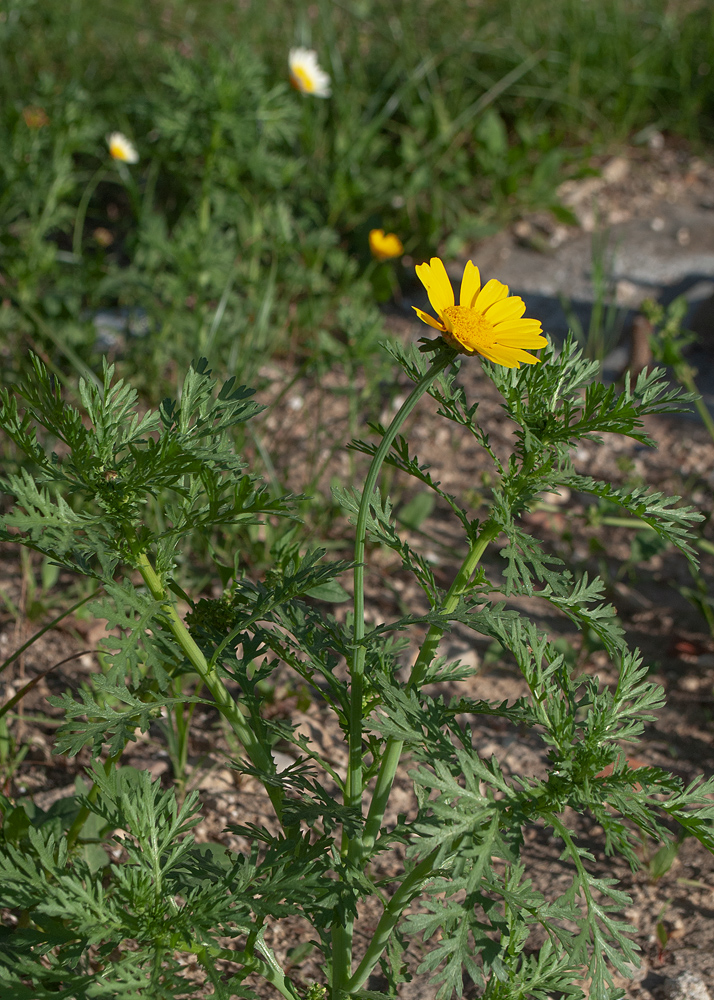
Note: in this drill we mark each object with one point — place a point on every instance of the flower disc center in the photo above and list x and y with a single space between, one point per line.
301 80
469 327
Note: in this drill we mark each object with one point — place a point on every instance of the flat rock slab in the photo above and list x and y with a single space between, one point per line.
647 216
642 261
646 222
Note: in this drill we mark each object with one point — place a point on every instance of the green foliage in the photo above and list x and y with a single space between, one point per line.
109 891
242 233
242 230
166 895
86 509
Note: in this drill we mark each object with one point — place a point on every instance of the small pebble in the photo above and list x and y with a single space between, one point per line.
688 683
616 170
282 761
561 497
686 986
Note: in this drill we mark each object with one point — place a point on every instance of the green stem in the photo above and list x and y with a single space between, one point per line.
130 186
82 210
149 189
341 956
489 530
204 213
26 688
342 932
685 374
392 912
621 522
354 777
251 963
393 749
225 704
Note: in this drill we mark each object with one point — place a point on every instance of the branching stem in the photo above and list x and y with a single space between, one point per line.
393 748
390 762
411 885
265 967
225 703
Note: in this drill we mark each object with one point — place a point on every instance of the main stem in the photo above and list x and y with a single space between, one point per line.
390 917
390 762
353 794
251 962
342 928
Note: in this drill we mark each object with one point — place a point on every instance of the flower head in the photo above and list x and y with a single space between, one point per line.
383 245
35 117
306 74
122 149
487 321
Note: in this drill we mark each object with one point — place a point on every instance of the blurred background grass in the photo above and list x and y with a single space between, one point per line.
241 233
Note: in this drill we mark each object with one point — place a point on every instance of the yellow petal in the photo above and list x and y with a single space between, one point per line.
515 355
436 281
510 308
525 324
516 338
495 356
470 284
528 359
384 245
509 357
426 318
493 291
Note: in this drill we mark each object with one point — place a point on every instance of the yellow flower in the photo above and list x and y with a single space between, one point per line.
306 74
122 149
384 245
35 117
487 320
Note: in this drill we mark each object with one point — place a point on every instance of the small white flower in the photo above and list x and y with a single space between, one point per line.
306 75
122 149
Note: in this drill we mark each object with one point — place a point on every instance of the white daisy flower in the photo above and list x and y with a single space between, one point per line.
122 149
306 75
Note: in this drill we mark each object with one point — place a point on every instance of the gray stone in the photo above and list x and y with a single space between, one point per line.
686 986
640 262
652 235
